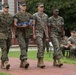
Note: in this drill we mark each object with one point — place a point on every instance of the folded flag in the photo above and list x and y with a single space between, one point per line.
24 23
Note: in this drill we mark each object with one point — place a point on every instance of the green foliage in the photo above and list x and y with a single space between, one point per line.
67 10
4 73
33 55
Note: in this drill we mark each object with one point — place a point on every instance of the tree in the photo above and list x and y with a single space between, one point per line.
67 10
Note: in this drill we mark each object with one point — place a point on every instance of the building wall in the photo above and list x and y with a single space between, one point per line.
15 2
11 5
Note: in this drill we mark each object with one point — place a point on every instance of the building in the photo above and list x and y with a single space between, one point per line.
13 4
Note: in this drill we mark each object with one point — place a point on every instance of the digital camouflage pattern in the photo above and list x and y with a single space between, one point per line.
5 25
41 22
56 25
23 34
72 40
63 44
5 34
26 17
40 30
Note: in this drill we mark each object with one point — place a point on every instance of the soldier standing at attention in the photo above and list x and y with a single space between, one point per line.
56 24
22 33
5 35
40 32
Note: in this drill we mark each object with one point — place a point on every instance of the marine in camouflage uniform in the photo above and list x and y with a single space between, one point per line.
22 33
64 45
5 35
56 33
72 43
40 32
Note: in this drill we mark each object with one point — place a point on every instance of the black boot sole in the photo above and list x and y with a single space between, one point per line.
60 65
56 65
8 66
26 66
42 66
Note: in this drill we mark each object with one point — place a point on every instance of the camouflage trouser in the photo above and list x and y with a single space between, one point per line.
41 47
73 50
5 45
23 43
56 41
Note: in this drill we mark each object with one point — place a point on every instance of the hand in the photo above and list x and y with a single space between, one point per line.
34 36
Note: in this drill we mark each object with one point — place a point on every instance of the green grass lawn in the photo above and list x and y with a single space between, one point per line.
33 55
4 73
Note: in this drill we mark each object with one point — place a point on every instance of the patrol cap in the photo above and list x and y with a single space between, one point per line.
5 5
55 8
40 4
23 3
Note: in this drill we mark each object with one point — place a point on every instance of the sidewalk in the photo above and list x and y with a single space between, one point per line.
67 69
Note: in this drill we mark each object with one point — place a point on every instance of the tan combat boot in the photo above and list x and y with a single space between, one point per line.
38 63
21 64
41 63
59 63
24 64
55 63
2 65
5 65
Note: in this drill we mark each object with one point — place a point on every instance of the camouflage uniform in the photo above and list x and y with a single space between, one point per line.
56 34
23 33
40 29
65 43
5 34
72 40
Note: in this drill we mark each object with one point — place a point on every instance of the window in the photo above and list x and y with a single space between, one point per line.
1 2
18 6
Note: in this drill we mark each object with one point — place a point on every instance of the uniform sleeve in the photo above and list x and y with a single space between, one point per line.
49 22
47 19
62 21
11 20
31 18
69 40
15 18
34 17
